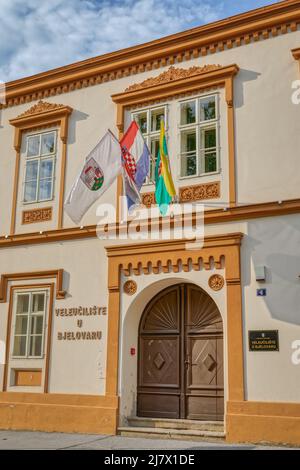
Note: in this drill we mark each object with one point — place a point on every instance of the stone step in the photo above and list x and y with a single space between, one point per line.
165 423
180 434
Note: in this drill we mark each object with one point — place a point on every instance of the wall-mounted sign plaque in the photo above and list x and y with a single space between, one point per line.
261 292
263 340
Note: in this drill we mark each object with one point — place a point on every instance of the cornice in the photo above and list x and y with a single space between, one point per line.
172 245
173 73
262 23
216 216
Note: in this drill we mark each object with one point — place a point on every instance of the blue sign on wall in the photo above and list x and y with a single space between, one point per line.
261 292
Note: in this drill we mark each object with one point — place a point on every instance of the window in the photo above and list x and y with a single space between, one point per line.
149 123
199 137
30 312
39 168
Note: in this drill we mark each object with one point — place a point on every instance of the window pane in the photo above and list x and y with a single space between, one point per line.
45 189
154 148
31 170
48 143
46 169
35 347
33 146
188 112
21 325
188 141
30 191
38 303
208 138
210 163
208 108
19 346
141 119
36 327
188 165
156 116
22 303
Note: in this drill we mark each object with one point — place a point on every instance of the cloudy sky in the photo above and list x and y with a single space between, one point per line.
37 35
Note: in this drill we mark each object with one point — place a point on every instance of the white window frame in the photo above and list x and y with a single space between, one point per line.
39 158
30 315
198 125
150 135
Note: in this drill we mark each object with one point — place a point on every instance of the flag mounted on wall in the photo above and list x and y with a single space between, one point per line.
164 186
99 171
136 162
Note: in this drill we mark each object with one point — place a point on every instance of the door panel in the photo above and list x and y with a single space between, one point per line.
202 386
160 359
181 356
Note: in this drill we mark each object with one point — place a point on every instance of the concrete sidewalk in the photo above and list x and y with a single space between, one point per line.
57 441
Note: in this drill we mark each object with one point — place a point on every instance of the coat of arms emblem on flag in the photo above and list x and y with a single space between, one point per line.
92 175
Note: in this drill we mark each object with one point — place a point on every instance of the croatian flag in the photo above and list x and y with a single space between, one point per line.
136 162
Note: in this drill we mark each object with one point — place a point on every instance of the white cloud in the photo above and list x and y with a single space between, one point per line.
38 35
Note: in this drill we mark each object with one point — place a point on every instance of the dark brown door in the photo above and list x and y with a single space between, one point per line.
180 373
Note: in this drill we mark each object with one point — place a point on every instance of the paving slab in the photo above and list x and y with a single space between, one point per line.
33 440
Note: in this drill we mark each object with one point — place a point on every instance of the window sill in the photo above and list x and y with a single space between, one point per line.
37 202
202 175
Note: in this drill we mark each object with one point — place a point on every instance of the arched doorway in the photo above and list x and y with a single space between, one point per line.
180 363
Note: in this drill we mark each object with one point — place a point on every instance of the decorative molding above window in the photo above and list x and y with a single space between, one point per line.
58 274
41 107
199 79
173 73
37 215
200 192
40 115
296 53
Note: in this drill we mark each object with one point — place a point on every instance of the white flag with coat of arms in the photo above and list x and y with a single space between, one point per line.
100 170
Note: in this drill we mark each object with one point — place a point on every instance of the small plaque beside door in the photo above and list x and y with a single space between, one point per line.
263 340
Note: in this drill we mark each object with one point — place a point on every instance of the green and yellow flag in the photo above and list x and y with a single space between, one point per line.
164 186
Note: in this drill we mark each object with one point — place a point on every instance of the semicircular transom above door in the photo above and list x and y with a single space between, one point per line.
180 370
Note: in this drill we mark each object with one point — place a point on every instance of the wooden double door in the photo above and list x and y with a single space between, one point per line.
180 363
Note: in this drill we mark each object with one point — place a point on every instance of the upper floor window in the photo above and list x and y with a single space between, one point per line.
30 312
40 167
149 123
199 152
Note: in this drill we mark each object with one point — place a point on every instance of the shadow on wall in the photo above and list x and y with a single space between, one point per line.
276 245
75 117
243 77
241 81
66 284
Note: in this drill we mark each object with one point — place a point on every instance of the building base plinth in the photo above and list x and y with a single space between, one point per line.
88 414
267 422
